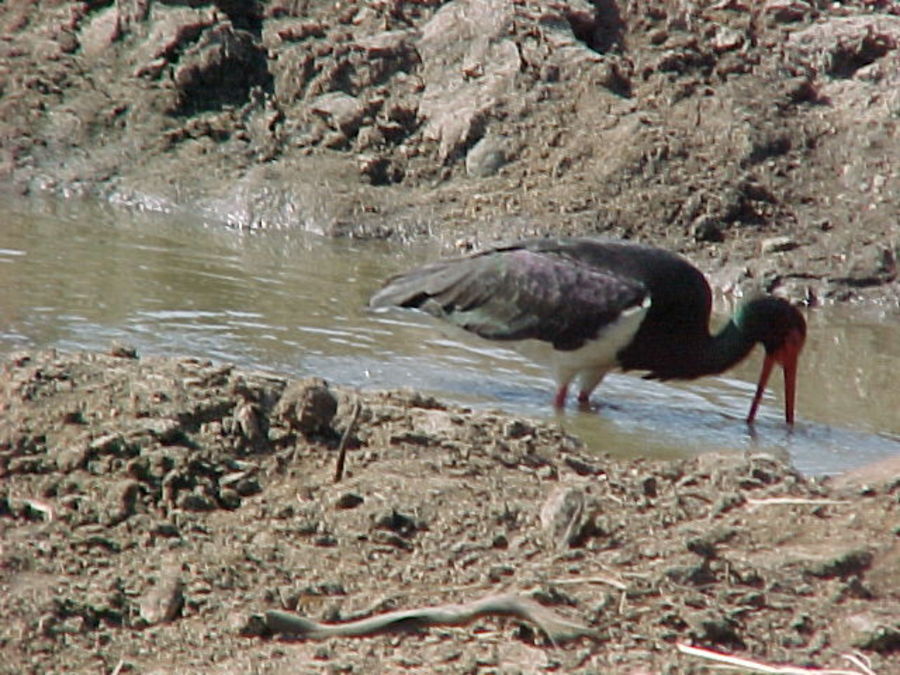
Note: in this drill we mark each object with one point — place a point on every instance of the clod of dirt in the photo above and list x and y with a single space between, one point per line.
308 406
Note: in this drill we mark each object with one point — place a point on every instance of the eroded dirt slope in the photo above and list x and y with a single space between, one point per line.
704 126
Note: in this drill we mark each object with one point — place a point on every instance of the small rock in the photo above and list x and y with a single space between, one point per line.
122 350
486 157
335 140
844 564
658 36
378 170
71 458
707 228
100 32
27 464
295 30
250 423
72 626
497 572
398 522
32 509
517 429
163 602
166 430
369 137
106 444
326 541
343 112
562 516
247 487
581 467
727 39
777 244
73 417
697 575
787 10
391 539
129 491
390 43
709 627
229 499
547 472
705 544
164 528
349 500
195 501
702 546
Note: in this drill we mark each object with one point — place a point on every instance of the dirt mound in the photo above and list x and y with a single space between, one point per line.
153 509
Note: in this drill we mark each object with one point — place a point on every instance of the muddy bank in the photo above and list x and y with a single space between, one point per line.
153 509
762 141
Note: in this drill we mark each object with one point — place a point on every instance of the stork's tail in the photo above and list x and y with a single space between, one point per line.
415 288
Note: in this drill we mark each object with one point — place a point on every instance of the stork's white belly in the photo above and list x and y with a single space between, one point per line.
596 357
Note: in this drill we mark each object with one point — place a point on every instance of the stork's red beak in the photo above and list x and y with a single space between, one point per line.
787 356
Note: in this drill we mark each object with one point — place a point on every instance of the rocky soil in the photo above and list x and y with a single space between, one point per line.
759 137
153 510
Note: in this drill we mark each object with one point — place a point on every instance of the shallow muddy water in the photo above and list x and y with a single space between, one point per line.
79 276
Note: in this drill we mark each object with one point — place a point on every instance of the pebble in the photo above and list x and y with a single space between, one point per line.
123 351
163 602
562 516
229 498
777 245
349 500
194 501
486 157
707 228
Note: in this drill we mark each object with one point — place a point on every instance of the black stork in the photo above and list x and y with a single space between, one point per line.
602 305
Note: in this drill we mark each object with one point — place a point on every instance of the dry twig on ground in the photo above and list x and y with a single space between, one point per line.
760 667
556 627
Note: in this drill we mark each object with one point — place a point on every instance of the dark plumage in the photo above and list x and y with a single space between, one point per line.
602 304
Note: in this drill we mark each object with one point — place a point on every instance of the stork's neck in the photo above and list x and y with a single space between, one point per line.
677 353
724 349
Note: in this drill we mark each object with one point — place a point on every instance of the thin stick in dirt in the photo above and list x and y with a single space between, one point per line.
342 448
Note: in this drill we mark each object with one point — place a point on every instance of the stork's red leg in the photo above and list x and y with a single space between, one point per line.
559 400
